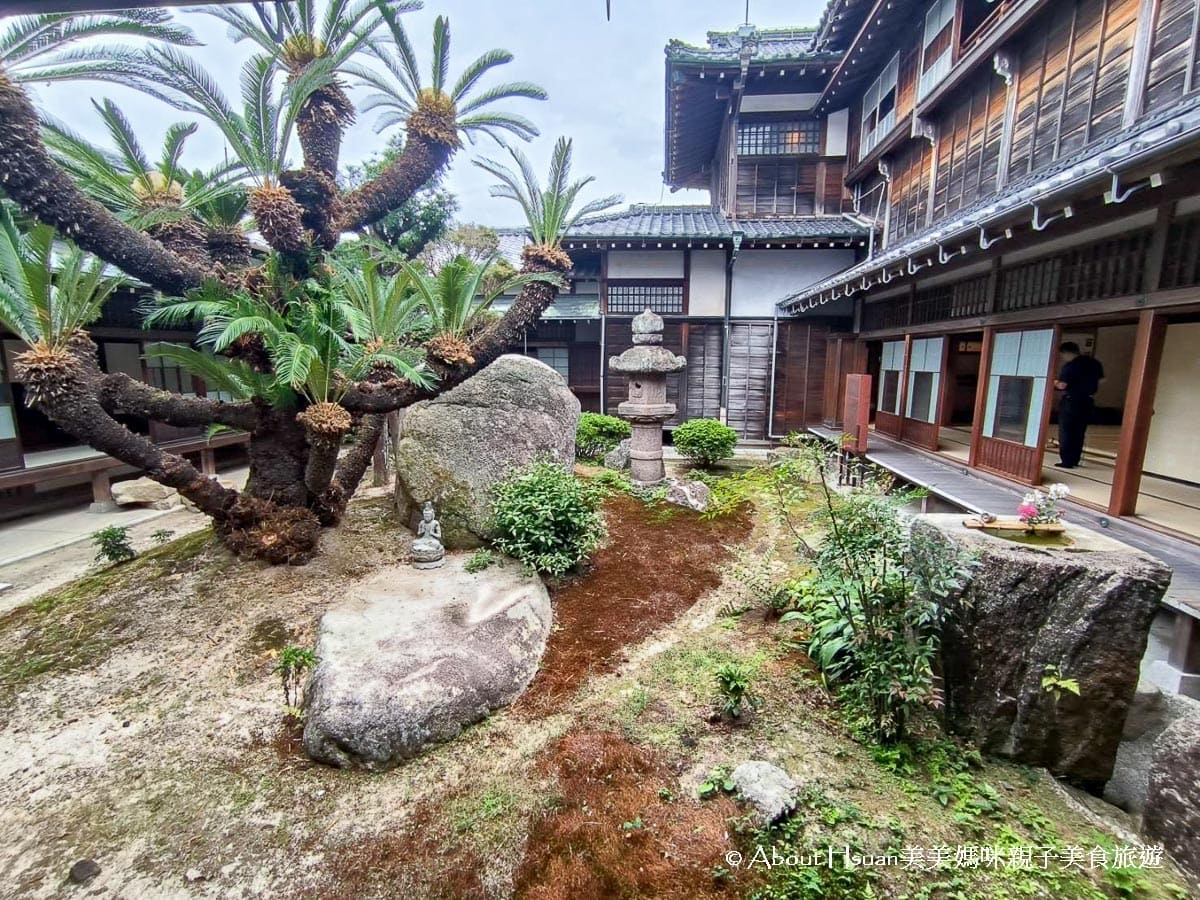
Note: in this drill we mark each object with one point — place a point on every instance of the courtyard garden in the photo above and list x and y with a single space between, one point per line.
150 726
536 657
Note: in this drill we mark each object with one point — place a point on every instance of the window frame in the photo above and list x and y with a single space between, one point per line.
932 72
885 84
645 288
757 138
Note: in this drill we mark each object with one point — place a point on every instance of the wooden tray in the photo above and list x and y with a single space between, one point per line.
1015 525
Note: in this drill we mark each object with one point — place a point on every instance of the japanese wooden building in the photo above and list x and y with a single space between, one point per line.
1028 172
740 124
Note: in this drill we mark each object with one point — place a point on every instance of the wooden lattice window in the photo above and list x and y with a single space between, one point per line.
1181 263
632 299
779 138
951 301
1109 268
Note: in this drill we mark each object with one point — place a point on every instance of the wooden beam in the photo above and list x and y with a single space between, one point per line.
981 392
1139 409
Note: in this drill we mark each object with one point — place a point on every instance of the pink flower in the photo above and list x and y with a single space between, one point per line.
1027 511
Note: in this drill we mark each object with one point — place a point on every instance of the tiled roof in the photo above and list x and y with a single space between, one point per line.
649 221
565 306
770 45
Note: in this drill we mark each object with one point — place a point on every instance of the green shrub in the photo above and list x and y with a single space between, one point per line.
547 518
293 668
733 689
598 434
481 559
705 440
112 544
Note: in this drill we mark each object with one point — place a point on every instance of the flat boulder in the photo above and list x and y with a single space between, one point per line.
1172 813
1081 610
695 495
456 447
144 492
766 788
413 658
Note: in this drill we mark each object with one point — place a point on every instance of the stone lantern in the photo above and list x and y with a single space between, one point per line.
646 365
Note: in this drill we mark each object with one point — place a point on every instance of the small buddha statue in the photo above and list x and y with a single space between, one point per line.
428 552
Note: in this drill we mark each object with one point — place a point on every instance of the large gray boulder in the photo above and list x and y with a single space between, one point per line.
411 659
1172 814
1084 609
1151 713
456 447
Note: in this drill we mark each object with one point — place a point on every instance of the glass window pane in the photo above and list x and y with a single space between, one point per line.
1014 398
889 396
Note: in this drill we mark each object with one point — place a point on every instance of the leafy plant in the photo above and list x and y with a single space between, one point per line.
596 434
162 536
112 544
719 781
706 441
481 559
547 518
551 212
873 607
46 298
1055 684
293 667
733 689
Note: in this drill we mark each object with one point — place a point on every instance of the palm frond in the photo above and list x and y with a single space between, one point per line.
552 211
230 376
441 54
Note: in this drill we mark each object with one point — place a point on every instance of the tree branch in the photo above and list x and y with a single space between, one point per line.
421 159
121 395
30 177
354 464
527 308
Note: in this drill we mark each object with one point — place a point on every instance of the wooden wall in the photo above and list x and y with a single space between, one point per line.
1073 73
968 149
1174 54
1071 84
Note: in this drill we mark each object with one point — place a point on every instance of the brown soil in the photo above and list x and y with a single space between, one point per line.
614 835
658 561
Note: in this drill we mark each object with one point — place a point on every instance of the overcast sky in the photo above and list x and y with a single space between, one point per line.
605 80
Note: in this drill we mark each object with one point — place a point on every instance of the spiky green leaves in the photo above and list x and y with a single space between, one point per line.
402 98
553 210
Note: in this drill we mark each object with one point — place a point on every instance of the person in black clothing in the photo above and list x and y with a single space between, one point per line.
1079 379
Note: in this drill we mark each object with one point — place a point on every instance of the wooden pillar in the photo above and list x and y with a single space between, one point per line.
902 414
1139 408
102 498
208 461
981 393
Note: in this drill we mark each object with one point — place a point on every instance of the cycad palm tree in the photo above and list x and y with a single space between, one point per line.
259 135
457 303
48 291
551 211
434 114
156 197
48 294
299 36
401 91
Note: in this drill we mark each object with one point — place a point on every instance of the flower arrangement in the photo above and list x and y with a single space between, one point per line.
1039 508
